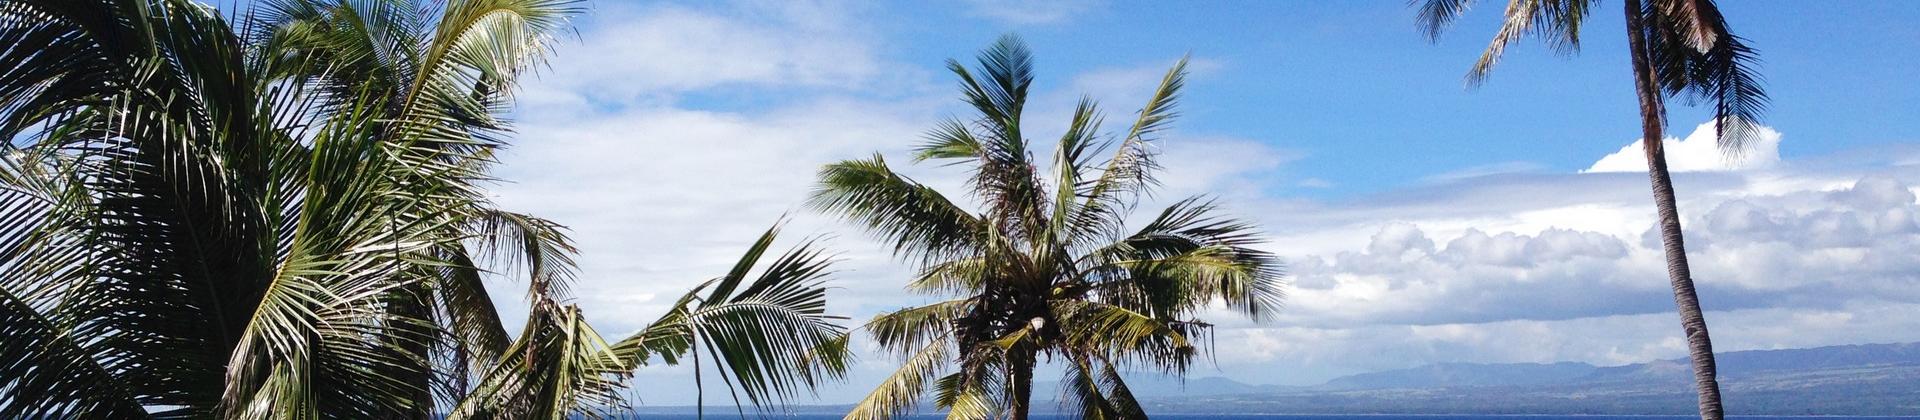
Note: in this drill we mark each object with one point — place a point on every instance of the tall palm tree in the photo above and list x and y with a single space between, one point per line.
1679 48
1045 267
280 217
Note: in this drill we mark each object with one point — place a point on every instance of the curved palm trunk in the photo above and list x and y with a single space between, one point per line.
1652 114
1022 382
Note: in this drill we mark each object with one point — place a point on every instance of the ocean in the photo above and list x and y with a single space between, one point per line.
1288 417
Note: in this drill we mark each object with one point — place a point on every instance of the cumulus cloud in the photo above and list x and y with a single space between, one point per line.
1698 152
1813 249
1541 267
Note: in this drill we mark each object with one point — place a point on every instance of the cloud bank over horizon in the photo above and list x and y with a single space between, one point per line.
671 135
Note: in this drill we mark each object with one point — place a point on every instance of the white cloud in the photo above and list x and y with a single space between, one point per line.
1308 355
1032 12
1504 264
1537 267
1698 152
1600 259
629 54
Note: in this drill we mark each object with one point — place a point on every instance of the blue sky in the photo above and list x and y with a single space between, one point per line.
1371 105
1422 222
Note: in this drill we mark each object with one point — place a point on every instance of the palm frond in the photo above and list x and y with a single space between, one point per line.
1436 15
1696 57
913 328
772 338
48 374
901 390
916 219
1557 21
513 242
1185 257
559 368
1130 172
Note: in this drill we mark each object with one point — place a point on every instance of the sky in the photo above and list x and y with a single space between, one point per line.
1422 221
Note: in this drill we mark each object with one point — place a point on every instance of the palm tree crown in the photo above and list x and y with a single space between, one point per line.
1046 267
282 216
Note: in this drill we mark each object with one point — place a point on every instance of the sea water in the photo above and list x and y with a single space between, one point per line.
730 416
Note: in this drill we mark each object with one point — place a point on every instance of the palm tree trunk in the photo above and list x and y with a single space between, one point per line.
1652 116
1021 363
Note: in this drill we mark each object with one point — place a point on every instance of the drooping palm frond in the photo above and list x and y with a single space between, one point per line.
49 374
772 339
559 367
1436 15
918 220
1556 21
1187 241
902 389
1694 54
913 328
1697 58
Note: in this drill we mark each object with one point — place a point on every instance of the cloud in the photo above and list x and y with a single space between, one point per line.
1538 267
630 54
1308 355
1698 152
673 134
1032 12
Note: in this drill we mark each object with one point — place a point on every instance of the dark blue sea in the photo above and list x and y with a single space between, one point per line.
731 416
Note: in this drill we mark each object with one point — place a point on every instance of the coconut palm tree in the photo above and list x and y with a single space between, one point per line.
1045 267
280 214
1679 48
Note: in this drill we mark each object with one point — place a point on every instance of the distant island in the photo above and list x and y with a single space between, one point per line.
1854 380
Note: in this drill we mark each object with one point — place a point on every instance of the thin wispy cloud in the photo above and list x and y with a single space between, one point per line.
1033 12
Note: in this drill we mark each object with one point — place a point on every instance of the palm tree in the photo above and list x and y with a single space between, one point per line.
1680 48
280 217
1046 267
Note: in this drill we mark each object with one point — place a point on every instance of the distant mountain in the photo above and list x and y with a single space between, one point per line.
1464 374
1162 386
1870 379
1873 379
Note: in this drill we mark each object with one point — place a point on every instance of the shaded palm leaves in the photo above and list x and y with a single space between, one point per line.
280 217
1046 268
1694 55
772 337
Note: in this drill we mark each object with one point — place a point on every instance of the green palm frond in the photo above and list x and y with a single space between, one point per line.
1556 21
1436 15
1130 172
280 217
977 390
901 390
1043 269
1697 58
912 328
558 368
49 374
773 338
514 242
1188 241
1694 55
918 220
